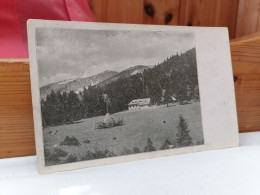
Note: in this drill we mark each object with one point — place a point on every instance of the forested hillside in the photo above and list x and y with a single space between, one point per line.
175 76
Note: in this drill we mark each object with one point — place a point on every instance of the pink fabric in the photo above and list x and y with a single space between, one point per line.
15 13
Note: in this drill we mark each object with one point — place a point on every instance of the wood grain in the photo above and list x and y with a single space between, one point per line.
117 11
248 17
161 12
240 16
221 13
258 25
16 122
246 70
170 12
136 11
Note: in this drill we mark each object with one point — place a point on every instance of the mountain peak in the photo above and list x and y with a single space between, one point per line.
126 73
76 84
106 71
137 67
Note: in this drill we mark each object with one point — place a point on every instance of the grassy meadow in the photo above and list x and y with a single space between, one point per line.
157 123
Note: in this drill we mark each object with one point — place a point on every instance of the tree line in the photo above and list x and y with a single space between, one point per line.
175 77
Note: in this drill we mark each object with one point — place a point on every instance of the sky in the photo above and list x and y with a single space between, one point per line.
64 54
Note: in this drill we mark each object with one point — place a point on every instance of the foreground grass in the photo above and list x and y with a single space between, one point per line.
156 123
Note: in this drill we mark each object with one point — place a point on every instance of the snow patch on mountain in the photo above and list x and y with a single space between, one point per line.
63 82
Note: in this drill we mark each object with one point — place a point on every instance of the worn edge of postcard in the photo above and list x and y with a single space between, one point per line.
218 107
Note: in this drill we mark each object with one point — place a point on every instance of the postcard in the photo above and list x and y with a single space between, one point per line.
108 93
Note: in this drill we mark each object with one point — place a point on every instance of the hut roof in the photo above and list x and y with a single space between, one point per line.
140 102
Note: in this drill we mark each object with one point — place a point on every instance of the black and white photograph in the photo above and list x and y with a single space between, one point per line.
108 93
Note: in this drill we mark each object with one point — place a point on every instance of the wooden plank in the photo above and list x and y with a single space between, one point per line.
221 13
258 25
133 11
118 11
173 12
136 11
246 69
247 17
250 37
16 122
161 12
95 6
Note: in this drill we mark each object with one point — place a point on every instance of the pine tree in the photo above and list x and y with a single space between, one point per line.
149 146
107 101
167 95
84 102
183 137
43 109
155 92
101 106
50 107
89 101
60 106
166 145
74 106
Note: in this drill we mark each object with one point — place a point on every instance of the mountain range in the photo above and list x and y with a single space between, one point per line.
125 73
101 79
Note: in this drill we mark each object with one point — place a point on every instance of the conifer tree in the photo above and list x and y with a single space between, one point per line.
149 146
183 137
167 97
166 145
74 106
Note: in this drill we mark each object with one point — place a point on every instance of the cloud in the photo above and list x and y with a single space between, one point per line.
79 53
56 78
